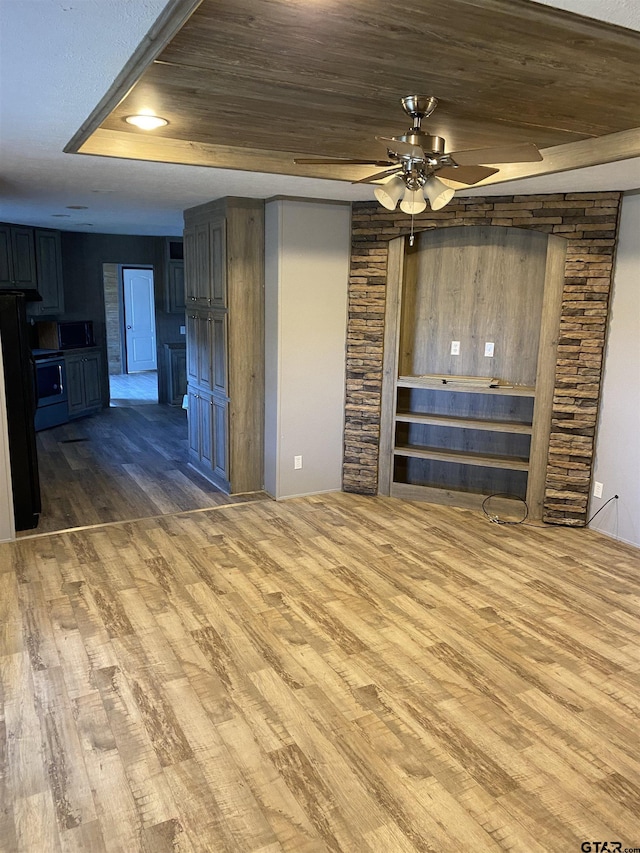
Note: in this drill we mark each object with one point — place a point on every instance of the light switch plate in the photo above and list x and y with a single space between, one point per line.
597 489
488 349
455 347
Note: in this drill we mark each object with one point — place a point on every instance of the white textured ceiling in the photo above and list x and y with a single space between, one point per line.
59 57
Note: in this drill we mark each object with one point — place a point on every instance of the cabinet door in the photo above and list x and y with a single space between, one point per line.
17 257
219 350
176 284
206 431
220 439
193 421
192 349
190 269
205 333
176 376
218 257
49 272
199 330
6 264
24 257
202 266
75 384
91 376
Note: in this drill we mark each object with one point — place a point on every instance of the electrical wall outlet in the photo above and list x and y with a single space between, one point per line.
297 462
455 347
488 349
183 330
597 489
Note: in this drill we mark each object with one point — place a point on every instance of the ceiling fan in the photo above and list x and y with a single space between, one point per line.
416 162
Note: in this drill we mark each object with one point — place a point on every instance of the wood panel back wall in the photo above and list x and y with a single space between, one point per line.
478 286
488 288
588 222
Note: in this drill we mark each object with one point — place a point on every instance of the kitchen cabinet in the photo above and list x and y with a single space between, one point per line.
208 429
175 373
205 259
174 277
31 259
224 267
17 257
199 349
48 273
83 370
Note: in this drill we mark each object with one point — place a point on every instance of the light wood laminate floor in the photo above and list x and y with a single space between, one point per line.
332 673
120 464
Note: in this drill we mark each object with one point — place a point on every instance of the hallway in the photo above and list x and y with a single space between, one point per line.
124 463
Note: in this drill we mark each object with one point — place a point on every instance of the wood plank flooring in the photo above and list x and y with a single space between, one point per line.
120 464
332 673
130 389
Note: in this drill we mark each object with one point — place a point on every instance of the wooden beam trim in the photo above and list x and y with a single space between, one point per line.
610 148
171 20
136 146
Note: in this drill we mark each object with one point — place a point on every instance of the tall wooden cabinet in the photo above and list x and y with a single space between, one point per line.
224 285
457 427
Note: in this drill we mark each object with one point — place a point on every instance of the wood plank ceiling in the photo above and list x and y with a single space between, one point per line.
249 84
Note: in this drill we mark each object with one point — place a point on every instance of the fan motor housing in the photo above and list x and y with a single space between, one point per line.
430 144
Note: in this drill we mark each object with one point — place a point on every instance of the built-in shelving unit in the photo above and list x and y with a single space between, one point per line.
448 433
467 437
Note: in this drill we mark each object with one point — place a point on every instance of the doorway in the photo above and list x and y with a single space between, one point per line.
129 298
139 319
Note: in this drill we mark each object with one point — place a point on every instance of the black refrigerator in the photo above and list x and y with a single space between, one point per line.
19 380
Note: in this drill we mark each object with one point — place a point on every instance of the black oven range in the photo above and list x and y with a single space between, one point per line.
51 388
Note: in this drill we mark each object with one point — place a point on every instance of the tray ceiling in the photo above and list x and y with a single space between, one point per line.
249 84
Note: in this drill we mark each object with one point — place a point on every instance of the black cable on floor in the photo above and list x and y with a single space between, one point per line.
494 518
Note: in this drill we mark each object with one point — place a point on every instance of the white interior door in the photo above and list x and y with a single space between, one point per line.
140 319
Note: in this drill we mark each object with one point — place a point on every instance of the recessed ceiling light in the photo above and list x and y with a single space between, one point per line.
146 122
77 207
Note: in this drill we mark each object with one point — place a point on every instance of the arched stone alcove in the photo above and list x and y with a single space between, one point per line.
589 223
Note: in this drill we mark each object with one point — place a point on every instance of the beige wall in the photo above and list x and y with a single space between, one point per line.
617 460
306 276
6 499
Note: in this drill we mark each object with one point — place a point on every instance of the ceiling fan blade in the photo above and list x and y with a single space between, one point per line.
338 161
523 152
400 147
466 174
378 176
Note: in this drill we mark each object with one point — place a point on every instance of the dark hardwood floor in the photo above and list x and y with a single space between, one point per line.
123 463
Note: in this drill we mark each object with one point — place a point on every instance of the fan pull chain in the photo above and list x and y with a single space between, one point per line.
412 235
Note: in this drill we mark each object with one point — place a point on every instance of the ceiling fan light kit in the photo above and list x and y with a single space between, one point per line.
413 202
438 193
389 194
415 158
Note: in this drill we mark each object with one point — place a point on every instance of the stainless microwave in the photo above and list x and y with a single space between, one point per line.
74 334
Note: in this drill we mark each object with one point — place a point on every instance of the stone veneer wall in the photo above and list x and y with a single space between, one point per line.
111 284
589 223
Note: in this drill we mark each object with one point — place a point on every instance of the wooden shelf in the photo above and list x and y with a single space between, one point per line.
464 457
463 422
435 385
